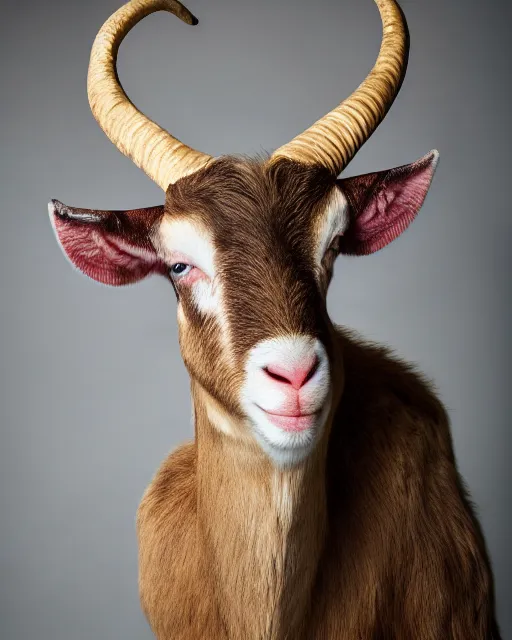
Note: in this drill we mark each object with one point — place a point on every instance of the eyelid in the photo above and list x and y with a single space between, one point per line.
173 257
176 256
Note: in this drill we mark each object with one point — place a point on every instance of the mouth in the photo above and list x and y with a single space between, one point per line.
296 422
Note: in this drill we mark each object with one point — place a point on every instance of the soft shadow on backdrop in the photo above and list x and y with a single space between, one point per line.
93 390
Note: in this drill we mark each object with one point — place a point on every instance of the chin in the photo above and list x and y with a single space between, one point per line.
287 441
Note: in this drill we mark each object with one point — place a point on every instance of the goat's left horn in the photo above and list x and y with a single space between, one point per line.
164 158
334 139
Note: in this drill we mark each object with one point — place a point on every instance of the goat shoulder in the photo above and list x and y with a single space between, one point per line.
405 556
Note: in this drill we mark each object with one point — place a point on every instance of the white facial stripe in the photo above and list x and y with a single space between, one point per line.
334 222
205 296
220 419
187 240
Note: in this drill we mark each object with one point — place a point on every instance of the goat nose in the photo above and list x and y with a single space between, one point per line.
296 374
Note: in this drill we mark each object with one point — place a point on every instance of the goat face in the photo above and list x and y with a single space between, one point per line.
249 249
249 246
247 243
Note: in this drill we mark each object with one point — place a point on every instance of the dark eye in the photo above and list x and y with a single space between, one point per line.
179 270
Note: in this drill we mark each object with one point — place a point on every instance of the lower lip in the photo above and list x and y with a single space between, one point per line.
292 423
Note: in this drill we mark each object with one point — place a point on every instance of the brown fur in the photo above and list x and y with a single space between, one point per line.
372 537
261 220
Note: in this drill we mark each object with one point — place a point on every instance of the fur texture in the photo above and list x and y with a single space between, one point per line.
365 534
375 541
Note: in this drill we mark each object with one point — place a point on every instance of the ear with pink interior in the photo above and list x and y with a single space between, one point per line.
383 204
112 247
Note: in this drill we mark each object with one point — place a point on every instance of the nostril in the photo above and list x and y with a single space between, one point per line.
275 376
297 376
312 371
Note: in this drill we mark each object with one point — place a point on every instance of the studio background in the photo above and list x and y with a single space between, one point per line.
93 391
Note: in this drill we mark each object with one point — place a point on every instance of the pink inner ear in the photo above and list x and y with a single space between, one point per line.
114 258
384 204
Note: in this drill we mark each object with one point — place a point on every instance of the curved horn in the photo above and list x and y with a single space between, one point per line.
334 139
164 158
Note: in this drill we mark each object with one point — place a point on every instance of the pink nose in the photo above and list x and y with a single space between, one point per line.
297 375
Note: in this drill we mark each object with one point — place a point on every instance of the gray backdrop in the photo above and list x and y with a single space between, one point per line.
93 390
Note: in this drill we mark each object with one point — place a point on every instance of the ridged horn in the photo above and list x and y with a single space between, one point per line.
333 140
164 158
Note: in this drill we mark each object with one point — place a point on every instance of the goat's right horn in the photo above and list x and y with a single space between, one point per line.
164 158
334 139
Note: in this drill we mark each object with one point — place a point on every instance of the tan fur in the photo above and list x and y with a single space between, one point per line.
372 537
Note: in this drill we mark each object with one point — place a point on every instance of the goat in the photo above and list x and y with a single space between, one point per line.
320 498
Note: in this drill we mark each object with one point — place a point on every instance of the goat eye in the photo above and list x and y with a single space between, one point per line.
335 244
180 269
333 249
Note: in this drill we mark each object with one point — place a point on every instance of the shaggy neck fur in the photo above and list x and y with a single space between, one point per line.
262 528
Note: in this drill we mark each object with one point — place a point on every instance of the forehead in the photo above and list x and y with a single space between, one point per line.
242 203
257 228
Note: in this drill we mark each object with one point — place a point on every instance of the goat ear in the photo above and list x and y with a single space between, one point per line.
383 204
112 247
